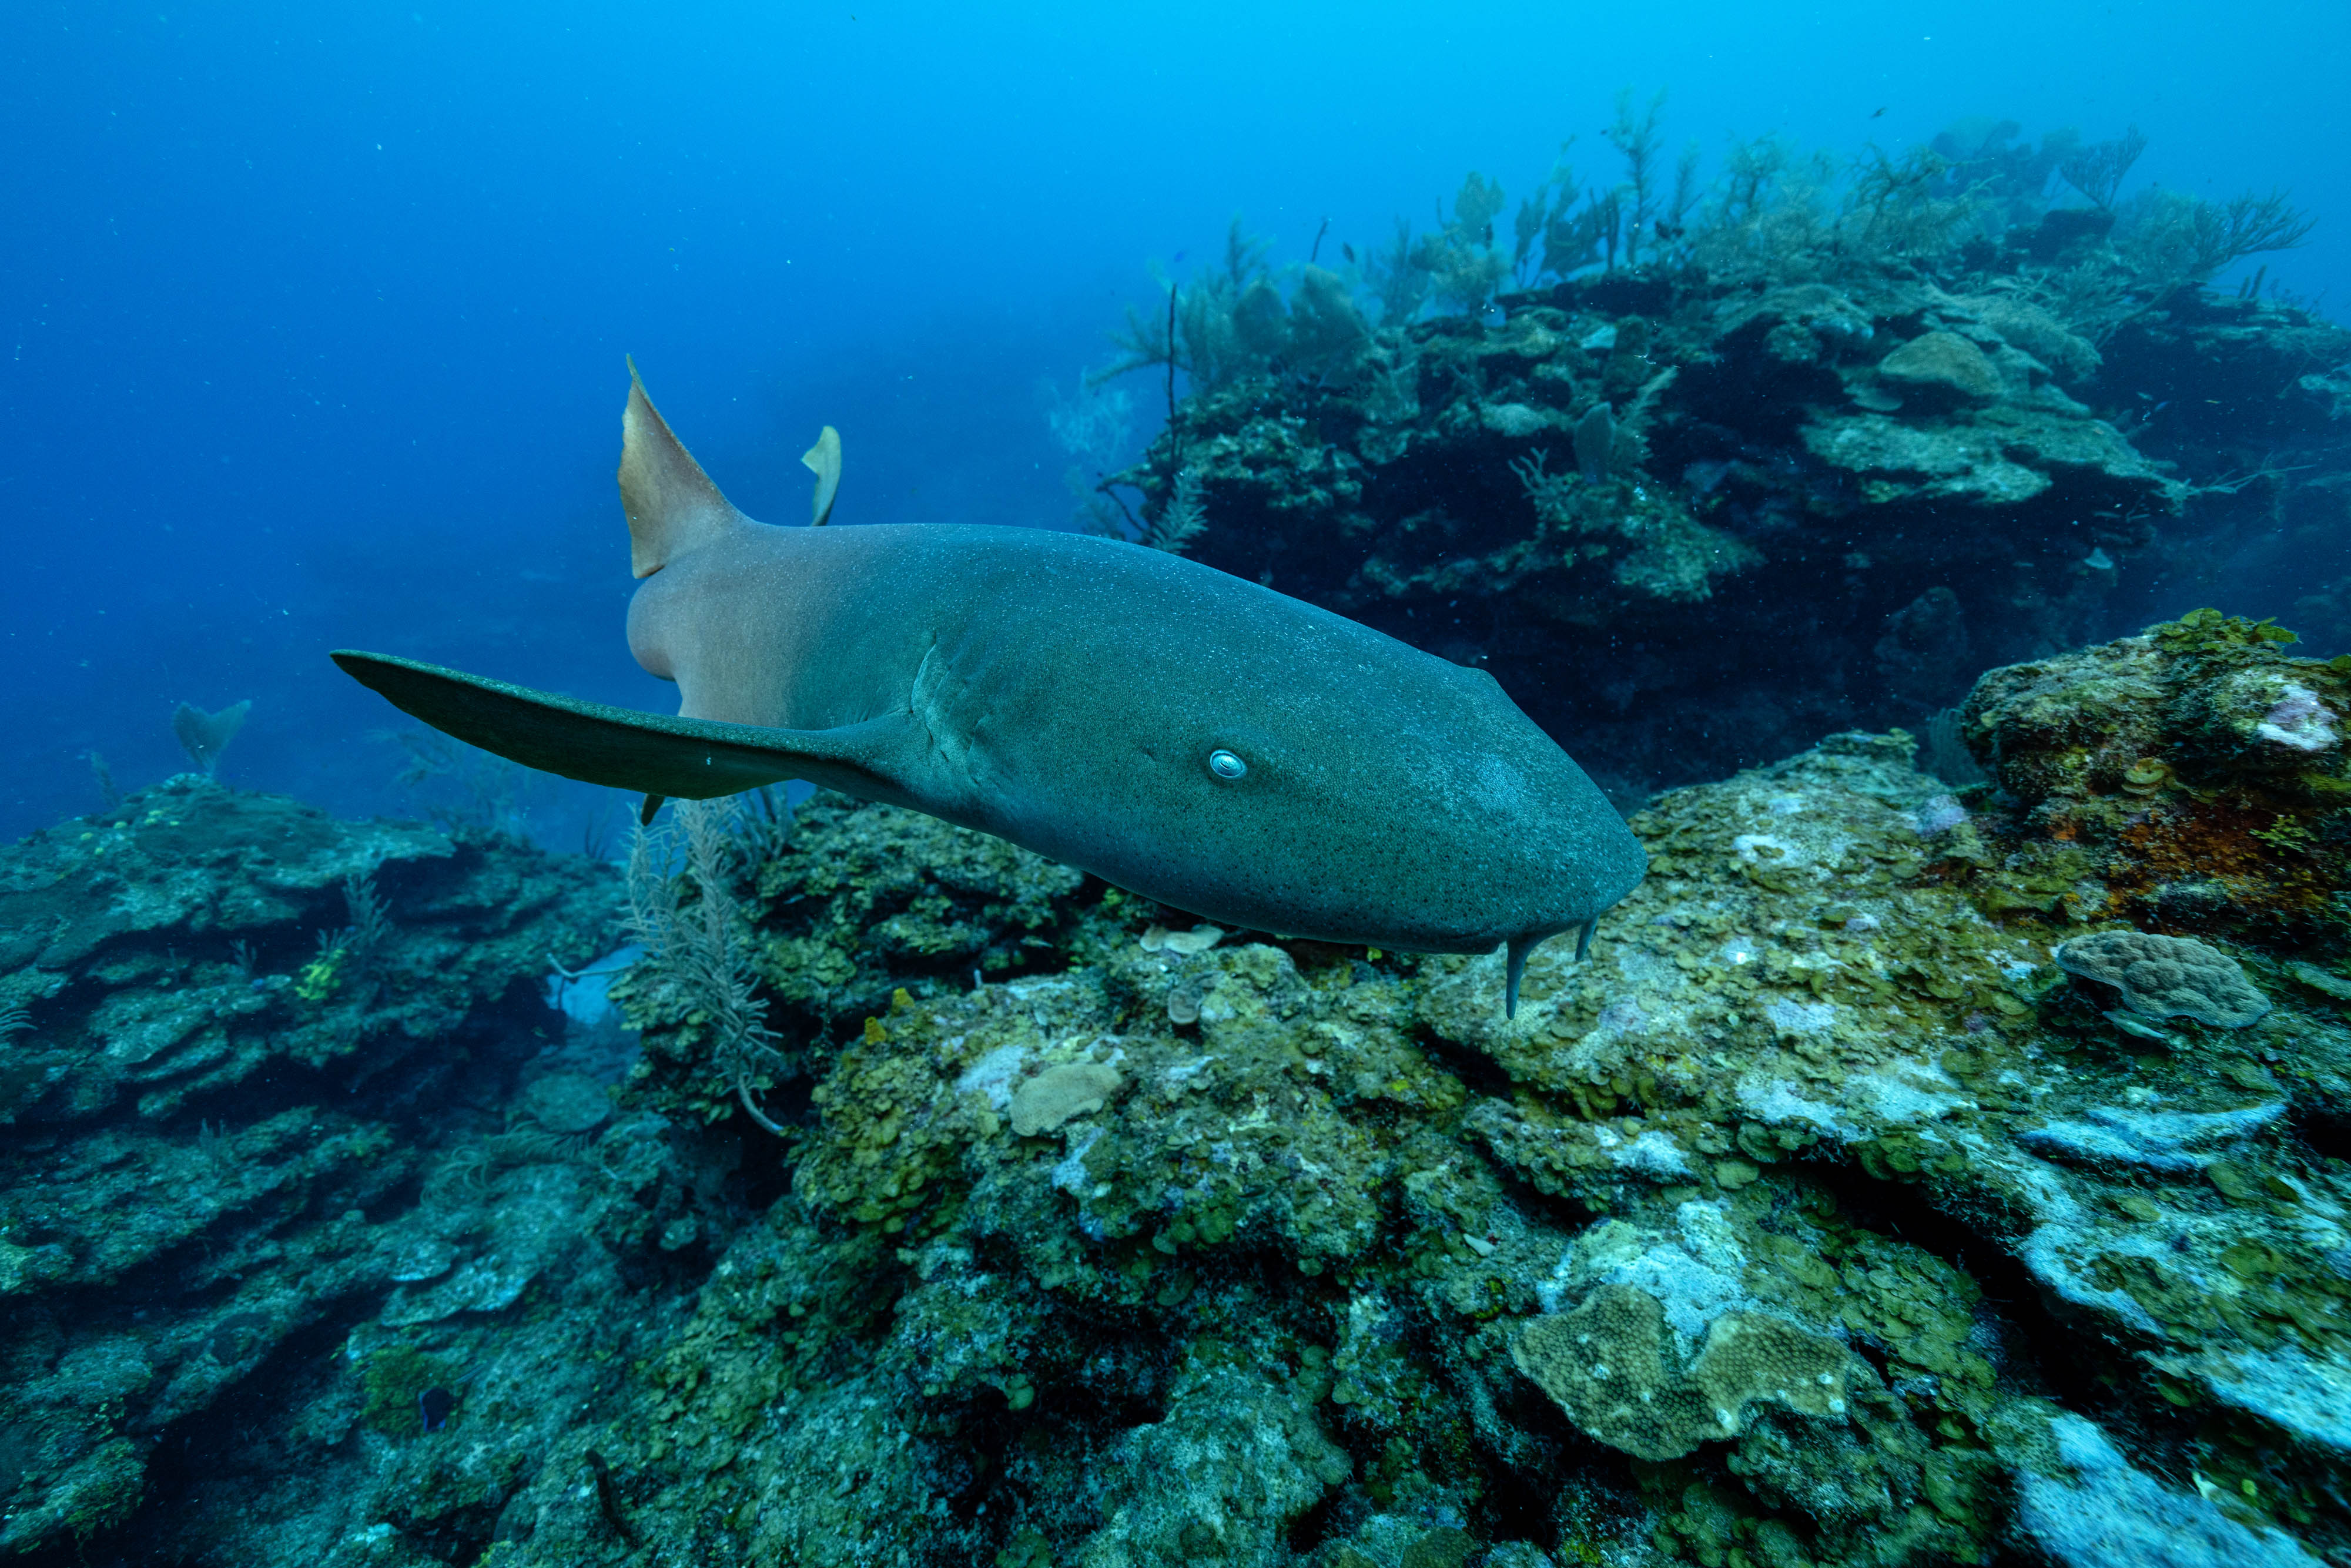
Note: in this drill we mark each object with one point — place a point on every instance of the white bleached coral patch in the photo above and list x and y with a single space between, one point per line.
2308 1396
2111 1514
1651 1154
1939 815
2299 720
1775 1103
1907 1091
2170 1141
1694 1273
1071 1175
992 1075
1810 1019
2066 1239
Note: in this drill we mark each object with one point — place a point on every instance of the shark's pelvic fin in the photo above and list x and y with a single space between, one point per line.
672 504
1519 947
823 460
652 754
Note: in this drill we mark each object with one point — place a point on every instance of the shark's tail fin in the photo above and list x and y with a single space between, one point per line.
672 504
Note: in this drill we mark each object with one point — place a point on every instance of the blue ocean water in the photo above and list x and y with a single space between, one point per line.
314 317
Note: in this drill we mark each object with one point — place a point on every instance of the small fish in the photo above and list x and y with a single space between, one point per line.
1877 114
1348 251
435 1405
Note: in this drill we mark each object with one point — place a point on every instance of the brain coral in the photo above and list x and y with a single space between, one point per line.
2166 977
1606 1364
1944 363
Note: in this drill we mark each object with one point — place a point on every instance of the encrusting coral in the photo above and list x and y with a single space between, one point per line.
1819 1198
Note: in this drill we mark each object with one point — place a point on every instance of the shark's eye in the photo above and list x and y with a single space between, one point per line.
1224 764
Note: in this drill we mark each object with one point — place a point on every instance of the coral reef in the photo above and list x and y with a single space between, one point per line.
1701 479
1820 1219
212 1133
1858 1201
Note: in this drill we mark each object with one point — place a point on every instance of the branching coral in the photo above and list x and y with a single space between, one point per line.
2170 238
1634 134
371 918
1900 206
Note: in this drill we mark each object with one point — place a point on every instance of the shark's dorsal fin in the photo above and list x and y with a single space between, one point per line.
823 460
672 504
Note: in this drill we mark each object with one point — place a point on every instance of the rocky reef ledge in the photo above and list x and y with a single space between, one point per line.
1911 1175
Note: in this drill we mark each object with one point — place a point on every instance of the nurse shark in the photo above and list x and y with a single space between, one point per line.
1181 733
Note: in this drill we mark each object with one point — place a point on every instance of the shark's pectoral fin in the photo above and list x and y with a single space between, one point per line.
657 756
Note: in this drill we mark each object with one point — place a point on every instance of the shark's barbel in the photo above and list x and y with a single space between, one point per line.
1178 732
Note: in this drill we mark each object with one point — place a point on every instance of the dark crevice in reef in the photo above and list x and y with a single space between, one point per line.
1478 1072
2022 1334
2324 1125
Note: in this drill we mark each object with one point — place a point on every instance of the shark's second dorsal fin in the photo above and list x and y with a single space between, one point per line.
823 460
672 504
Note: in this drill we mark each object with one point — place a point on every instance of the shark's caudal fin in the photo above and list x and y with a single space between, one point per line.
823 460
672 504
650 754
